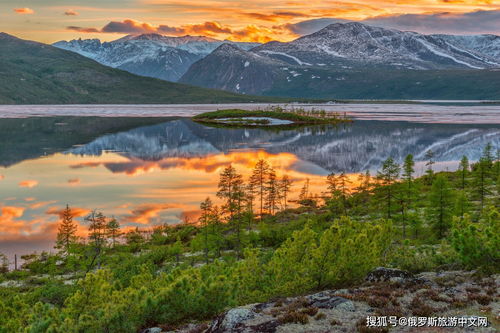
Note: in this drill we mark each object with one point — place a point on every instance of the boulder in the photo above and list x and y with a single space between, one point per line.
231 319
152 330
326 300
383 274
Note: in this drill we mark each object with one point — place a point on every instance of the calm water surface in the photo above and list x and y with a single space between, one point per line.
149 171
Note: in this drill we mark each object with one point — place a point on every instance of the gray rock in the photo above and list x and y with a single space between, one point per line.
326 300
383 274
152 330
231 319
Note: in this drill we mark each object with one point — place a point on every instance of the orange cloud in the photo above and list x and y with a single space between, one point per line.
9 212
85 165
144 213
75 211
41 204
84 30
74 181
28 183
71 12
24 11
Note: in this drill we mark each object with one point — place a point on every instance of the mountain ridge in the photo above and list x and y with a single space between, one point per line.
356 61
151 55
36 73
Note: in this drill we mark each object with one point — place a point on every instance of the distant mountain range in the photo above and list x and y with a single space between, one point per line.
36 73
153 55
343 60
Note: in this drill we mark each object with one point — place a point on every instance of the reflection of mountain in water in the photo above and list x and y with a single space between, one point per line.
29 138
356 147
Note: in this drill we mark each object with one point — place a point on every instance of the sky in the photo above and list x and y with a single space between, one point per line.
258 21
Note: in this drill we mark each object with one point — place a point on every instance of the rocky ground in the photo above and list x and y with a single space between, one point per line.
385 293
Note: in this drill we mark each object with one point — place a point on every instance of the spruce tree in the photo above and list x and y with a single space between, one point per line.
113 230
285 185
344 192
4 264
258 179
429 156
66 232
462 205
387 177
332 185
231 190
272 191
464 171
135 239
304 192
481 181
406 197
97 233
205 217
440 205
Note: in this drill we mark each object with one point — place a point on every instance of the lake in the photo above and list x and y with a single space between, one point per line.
152 170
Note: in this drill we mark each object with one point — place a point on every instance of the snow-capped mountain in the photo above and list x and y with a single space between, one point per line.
488 45
231 68
354 60
152 55
354 44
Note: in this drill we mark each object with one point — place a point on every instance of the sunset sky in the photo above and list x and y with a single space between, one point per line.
52 20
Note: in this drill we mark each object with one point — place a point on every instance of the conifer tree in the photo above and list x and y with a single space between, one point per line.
332 185
363 190
4 264
285 185
387 177
343 189
258 179
205 218
232 192
272 192
429 156
408 171
66 232
215 224
134 239
406 197
488 155
462 205
464 171
304 192
480 181
113 230
440 205
176 249
97 233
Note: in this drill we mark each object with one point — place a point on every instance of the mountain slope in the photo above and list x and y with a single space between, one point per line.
488 45
233 69
355 61
35 73
355 44
152 55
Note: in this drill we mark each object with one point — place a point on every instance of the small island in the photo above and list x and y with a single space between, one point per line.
271 117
